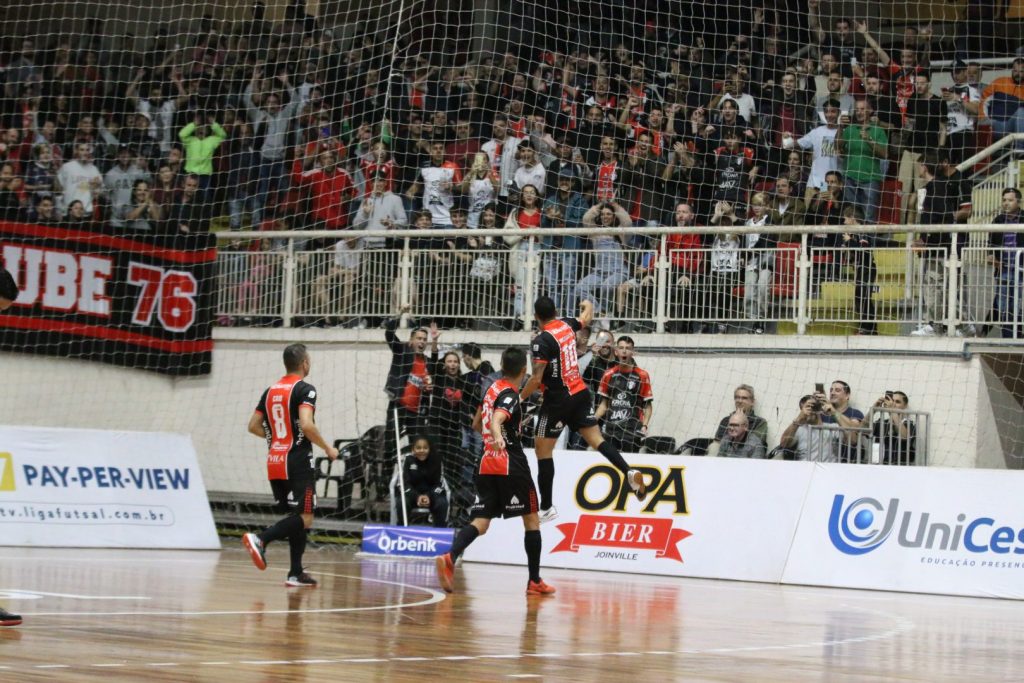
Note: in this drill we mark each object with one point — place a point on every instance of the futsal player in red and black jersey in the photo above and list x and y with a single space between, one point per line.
8 293
503 482
625 399
567 401
284 417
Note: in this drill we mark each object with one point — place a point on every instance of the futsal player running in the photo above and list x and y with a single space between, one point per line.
503 482
8 293
284 417
566 399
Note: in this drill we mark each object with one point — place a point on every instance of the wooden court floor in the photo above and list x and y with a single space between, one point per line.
106 615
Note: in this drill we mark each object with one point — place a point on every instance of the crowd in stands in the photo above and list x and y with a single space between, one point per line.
277 126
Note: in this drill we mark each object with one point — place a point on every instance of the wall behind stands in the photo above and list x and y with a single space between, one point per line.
692 390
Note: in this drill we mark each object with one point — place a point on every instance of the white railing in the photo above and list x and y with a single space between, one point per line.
795 288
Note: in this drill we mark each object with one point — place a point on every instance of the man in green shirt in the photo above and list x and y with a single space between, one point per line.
201 140
863 146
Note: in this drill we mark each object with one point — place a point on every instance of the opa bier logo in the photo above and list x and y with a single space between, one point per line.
603 489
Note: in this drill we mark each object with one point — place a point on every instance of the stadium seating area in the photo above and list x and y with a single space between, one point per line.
779 118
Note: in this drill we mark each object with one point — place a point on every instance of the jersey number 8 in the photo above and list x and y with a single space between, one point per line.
280 424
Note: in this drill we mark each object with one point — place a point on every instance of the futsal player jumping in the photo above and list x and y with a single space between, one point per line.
284 417
566 399
503 482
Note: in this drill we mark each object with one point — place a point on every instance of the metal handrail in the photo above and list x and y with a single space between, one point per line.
533 233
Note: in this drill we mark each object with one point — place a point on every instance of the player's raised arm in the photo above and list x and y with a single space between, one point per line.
586 313
312 432
533 384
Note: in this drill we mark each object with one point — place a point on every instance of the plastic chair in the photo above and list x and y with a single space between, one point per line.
697 446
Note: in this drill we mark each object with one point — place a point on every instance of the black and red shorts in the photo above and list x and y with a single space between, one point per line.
296 495
504 495
556 413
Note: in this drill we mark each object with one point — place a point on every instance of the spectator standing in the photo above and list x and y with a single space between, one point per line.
13 198
242 167
625 400
142 214
189 215
963 102
380 210
902 76
789 116
564 208
201 139
79 180
600 285
643 184
607 177
502 151
861 257
408 382
863 147
924 130
944 198
758 262
689 263
834 93
531 171
437 181
150 99
480 187
822 141
786 207
462 150
724 268
166 190
527 216
40 174
271 120
331 189
120 183
1009 244
452 406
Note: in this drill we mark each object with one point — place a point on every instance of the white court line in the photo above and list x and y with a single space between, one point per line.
434 596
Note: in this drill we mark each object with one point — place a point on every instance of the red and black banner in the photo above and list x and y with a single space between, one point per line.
92 294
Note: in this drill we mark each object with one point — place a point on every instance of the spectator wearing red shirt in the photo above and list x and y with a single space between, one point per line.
331 189
689 268
462 150
902 75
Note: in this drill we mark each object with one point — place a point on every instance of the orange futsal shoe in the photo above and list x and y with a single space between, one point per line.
636 482
445 572
8 619
254 545
539 588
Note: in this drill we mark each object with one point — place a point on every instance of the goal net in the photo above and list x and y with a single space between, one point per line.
187 188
